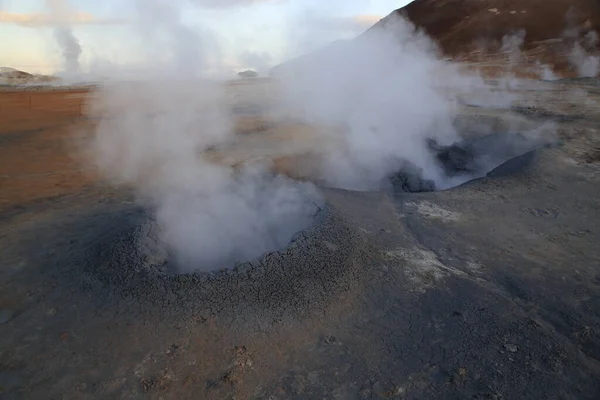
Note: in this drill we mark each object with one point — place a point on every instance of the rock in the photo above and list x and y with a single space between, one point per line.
331 340
330 246
511 347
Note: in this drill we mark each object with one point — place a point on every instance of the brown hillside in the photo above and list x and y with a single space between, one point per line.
474 29
459 23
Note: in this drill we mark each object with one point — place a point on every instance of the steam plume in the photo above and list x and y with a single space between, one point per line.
378 98
383 92
155 136
64 36
586 64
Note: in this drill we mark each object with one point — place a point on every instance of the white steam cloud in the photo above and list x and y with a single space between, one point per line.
64 36
584 56
378 98
586 64
154 136
382 92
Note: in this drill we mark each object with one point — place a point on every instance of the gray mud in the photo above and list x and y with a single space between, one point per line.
316 262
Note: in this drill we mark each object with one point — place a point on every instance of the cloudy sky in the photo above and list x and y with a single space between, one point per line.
244 33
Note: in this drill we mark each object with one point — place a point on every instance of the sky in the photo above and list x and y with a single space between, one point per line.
245 34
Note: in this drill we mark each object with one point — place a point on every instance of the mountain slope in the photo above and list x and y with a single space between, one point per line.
460 24
547 32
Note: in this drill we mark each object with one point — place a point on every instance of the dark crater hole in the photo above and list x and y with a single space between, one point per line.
131 255
134 256
160 258
317 265
493 155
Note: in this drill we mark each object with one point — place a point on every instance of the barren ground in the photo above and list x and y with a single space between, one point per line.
489 290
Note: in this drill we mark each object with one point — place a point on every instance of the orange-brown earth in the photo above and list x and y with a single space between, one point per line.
43 130
38 147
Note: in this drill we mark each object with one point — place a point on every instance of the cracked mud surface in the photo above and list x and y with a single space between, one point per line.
490 290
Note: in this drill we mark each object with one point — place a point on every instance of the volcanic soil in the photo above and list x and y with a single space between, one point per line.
488 290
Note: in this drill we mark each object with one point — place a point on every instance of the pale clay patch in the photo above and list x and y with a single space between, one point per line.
424 268
430 210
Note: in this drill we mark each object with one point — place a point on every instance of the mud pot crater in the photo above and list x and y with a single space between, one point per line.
319 264
320 261
492 155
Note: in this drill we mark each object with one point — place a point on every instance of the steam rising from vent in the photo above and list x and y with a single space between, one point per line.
71 50
586 64
384 94
584 56
511 46
64 36
154 136
164 34
379 100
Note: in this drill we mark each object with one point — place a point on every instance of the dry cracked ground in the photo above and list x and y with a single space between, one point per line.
490 290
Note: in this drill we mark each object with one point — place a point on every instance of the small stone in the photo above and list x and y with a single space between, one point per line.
511 347
244 268
331 340
330 246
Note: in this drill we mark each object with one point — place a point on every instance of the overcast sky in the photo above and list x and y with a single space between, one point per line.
246 33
